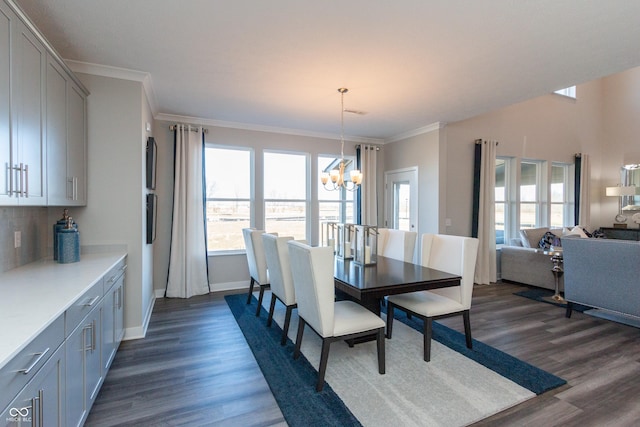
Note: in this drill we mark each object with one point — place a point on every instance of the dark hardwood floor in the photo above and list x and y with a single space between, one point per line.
194 367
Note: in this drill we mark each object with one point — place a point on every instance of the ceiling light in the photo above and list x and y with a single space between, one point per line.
334 180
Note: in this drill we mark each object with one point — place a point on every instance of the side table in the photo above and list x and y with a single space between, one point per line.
556 259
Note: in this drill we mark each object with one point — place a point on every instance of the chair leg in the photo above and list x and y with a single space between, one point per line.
324 357
285 328
390 308
427 338
250 291
260 296
381 353
467 328
272 307
296 352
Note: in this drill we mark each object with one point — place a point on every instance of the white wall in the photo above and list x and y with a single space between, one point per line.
115 211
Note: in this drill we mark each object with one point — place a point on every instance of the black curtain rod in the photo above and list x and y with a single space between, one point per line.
173 127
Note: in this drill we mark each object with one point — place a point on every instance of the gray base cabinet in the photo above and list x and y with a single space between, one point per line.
56 378
41 401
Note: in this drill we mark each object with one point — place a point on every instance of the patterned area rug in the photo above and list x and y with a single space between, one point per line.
451 390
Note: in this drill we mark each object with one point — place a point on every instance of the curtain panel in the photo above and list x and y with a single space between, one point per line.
485 199
368 189
188 274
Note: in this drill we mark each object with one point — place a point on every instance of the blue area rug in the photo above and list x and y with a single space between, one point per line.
293 381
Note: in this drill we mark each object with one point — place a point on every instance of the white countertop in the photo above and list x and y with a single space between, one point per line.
34 295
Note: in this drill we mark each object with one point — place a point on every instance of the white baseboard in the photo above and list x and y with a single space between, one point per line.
138 332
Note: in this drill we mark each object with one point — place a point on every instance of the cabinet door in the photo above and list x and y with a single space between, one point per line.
41 401
29 66
7 19
57 176
76 145
84 370
112 322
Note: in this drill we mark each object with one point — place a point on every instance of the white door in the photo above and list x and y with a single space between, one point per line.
401 199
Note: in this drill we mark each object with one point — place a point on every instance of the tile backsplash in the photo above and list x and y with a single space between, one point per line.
32 224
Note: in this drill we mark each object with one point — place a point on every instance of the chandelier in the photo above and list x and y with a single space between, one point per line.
336 176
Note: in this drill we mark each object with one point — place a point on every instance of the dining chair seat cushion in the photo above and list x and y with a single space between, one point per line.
351 318
425 303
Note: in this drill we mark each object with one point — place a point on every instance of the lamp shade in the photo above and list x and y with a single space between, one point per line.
630 190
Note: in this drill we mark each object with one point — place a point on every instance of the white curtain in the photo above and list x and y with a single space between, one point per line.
486 262
369 188
188 258
585 192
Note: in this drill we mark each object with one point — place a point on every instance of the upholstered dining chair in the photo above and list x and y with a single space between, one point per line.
257 263
397 244
451 254
312 271
281 281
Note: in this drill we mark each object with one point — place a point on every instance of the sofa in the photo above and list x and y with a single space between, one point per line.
602 273
523 261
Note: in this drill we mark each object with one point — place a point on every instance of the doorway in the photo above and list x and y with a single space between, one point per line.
401 199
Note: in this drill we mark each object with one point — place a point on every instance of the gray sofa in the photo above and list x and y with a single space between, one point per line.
523 262
603 273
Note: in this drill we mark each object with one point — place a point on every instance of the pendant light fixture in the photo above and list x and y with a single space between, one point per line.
334 180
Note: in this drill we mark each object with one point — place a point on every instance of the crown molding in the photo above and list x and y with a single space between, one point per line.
420 131
117 73
260 128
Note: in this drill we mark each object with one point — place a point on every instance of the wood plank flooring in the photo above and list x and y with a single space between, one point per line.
194 367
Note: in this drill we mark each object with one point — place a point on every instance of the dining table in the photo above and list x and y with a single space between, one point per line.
369 284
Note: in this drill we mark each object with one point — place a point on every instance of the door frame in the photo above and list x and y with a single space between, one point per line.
404 174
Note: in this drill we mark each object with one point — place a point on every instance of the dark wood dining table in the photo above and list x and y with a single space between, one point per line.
369 284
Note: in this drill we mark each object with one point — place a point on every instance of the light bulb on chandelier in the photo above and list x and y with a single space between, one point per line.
335 178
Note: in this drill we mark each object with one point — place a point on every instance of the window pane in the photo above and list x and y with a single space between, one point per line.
285 176
557 216
228 173
557 184
528 182
225 221
528 215
286 218
401 214
500 194
500 216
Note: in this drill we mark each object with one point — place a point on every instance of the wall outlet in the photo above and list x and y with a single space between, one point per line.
447 222
17 239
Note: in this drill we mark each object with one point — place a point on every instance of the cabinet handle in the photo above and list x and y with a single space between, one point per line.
40 408
120 290
35 362
33 411
93 301
10 172
21 180
26 180
75 187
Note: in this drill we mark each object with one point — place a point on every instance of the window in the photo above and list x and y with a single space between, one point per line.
501 200
568 91
333 206
561 207
285 194
529 194
228 197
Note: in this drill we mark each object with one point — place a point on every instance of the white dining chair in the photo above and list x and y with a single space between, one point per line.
397 244
281 281
257 263
451 254
312 271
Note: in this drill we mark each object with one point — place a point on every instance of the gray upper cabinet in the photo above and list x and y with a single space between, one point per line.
42 119
66 139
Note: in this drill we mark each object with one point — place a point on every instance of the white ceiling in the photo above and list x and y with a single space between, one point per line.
407 63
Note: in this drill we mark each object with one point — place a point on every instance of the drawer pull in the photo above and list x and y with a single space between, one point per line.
35 362
93 301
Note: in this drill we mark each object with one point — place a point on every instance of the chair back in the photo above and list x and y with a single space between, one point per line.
454 255
280 279
255 255
312 272
397 244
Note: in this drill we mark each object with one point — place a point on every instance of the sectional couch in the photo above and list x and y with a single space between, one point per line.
603 273
524 262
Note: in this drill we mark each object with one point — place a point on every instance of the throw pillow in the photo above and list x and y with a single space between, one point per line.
549 239
579 231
